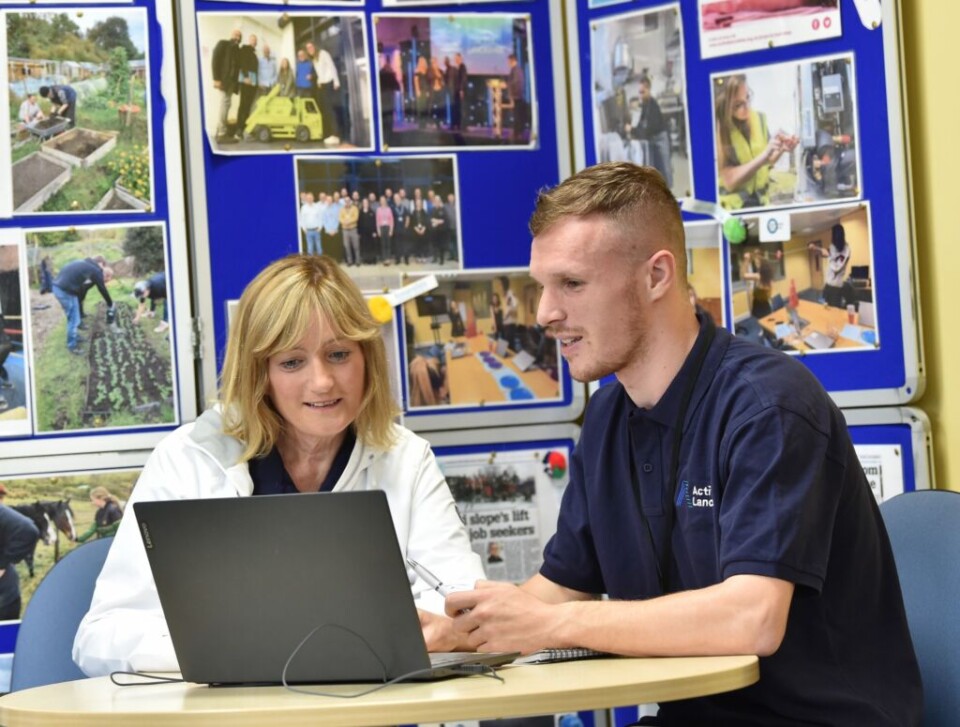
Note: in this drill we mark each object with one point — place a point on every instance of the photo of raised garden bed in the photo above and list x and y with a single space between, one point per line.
78 111
114 369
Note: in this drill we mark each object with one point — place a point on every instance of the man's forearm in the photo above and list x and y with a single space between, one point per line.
743 615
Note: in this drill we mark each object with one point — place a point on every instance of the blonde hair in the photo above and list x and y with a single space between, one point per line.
102 493
275 310
636 198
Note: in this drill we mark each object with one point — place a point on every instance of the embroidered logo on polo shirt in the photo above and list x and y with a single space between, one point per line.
694 495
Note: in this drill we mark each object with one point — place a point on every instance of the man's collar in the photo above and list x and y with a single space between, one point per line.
665 411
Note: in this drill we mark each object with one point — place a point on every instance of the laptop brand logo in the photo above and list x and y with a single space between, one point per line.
147 540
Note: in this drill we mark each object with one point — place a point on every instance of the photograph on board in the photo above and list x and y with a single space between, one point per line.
68 510
739 26
282 82
786 134
705 279
509 501
455 80
474 341
101 335
639 93
377 215
79 111
14 391
809 290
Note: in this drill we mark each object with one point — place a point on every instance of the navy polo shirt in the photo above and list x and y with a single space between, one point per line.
767 483
270 477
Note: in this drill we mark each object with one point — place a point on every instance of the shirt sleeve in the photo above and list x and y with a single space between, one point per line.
570 559
437 535
782 492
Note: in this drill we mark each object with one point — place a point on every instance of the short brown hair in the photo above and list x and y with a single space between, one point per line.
275 310
632 196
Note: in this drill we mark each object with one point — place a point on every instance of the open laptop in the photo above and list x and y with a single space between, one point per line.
818 340
244 580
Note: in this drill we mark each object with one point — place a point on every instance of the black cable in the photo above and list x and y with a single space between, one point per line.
465 669
154 679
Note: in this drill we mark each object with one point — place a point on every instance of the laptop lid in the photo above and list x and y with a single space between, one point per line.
243 581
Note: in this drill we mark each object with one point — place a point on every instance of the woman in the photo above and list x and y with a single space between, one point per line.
367 227
107 518
286 80
421 91
305 407
837 290
438 98
745 149
419 229
457 329
763 291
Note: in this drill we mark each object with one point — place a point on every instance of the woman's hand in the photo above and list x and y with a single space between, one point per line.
438 633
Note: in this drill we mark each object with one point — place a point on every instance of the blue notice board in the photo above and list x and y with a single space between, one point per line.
810 99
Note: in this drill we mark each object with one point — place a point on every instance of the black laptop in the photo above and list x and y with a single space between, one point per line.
244 581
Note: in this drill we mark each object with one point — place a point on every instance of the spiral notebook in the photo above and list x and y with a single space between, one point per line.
549 656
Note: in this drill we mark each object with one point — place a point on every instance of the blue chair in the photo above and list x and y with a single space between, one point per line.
776 302
44 644
924 528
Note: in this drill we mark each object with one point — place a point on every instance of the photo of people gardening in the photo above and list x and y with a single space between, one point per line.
78 110
100 328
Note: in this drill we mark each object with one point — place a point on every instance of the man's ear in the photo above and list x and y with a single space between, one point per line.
661 273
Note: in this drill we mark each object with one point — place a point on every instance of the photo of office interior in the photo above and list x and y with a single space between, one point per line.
496 401
640 97
813 293
474 341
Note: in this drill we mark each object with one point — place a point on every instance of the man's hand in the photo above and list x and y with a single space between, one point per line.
438 633
504 617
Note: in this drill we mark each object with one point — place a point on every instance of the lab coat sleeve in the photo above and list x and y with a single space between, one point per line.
125 628
437 536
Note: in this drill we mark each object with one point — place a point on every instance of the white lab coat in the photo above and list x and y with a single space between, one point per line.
125 628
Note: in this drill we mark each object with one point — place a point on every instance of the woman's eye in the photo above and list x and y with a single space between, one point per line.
290 364
339 356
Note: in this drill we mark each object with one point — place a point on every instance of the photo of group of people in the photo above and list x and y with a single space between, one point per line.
285 81
474 341
380 214
509 504
739 26
14 391
100 328
639 93
67 510
78 112
812 293
786 134
455 80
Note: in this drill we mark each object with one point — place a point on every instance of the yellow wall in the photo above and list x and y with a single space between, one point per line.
930 50
706 271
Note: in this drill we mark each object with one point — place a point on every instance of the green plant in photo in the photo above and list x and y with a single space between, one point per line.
133 169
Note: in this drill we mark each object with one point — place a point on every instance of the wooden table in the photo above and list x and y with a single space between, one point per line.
526 690
471 383
823 318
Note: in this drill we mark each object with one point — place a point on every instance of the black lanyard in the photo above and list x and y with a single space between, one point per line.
664 560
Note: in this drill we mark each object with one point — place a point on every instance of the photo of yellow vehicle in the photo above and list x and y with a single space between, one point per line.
280 117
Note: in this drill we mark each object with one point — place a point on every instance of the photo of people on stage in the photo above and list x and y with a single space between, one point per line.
276 83
813 293
786 134
380 215
455 81
474 341
639 93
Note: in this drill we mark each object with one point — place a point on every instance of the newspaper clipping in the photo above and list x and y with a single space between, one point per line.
509 502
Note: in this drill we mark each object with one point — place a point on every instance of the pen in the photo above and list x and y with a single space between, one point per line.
430 579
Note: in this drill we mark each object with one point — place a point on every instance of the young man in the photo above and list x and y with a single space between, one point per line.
63 102
714 495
